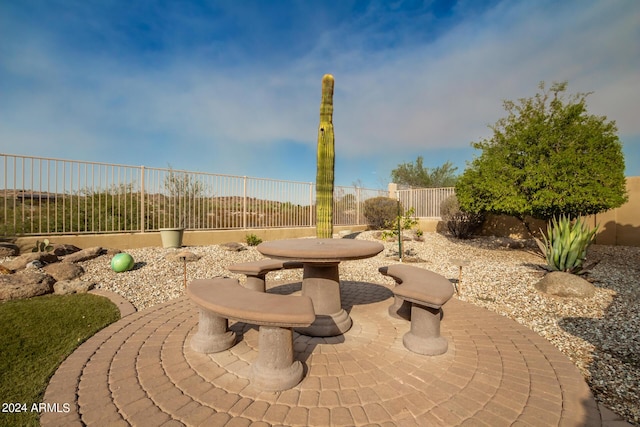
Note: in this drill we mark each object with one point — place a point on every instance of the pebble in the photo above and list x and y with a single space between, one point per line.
600 334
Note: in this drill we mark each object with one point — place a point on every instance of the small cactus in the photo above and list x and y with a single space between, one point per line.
43 246
326 160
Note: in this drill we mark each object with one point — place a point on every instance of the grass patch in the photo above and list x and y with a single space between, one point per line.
37 335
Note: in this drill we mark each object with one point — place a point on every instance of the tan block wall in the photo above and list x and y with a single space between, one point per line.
508 226
619 226
191 238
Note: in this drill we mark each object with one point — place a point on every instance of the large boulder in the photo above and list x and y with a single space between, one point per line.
65 287
8 249
563 284
21 262
233 247
64 270
84 255
62 249
25 284
182 256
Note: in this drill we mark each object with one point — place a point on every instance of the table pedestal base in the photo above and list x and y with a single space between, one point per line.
321 283
328 326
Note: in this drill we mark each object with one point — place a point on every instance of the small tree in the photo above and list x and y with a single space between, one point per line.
404 222
183 191
416 175
546 158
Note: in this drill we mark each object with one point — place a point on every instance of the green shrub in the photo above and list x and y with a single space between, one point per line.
380 211
565 248
459 223
253 240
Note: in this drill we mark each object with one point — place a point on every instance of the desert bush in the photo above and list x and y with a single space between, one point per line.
459 223
252 240
380 211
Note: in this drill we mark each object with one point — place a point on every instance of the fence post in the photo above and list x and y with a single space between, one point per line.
244 202
311 204
392 187
357 205
142 204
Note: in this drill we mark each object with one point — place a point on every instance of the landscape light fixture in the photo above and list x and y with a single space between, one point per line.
399 227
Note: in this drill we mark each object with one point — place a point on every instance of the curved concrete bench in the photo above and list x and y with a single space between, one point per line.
426 292
256 271
399 308
221 299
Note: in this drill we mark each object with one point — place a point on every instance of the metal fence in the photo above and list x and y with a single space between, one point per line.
40 196
425 201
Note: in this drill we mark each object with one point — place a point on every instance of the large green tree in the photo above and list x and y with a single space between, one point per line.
547 157
416 175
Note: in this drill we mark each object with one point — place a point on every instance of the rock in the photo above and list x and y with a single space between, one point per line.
84 255
62 249
511 243
377 235
64 271
8 249
35 264
21 262
25 284
65 287
563 284
233 246
179 256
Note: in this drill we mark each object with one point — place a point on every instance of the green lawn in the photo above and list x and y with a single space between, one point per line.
36 335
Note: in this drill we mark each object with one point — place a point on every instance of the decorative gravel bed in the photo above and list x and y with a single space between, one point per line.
600 334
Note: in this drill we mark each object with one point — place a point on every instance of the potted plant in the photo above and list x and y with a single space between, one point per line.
171 237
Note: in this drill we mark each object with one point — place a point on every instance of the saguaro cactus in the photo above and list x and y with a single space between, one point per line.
326 160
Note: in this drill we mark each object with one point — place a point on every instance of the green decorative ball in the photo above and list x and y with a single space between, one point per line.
122 262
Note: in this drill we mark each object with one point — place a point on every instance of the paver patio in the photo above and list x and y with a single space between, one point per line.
141 371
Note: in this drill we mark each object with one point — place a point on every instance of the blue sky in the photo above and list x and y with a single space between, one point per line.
233 87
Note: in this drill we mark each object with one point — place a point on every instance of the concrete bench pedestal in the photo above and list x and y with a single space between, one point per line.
220 299
275 368
424 336
256 271
425 292
213 333
400 309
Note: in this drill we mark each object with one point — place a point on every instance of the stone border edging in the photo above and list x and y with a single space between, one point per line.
125 307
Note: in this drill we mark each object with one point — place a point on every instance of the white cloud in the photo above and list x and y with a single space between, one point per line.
438 94
444 94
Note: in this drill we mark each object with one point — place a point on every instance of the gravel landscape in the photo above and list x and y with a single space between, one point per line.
600 334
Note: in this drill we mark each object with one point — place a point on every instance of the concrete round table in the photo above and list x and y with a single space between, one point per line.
320 280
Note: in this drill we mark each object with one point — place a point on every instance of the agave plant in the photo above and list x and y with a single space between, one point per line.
565 248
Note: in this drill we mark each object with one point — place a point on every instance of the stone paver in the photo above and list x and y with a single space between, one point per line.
141 370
